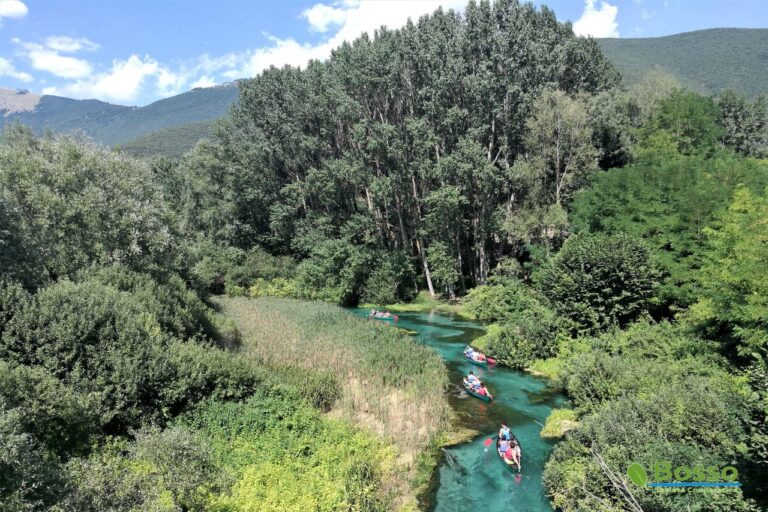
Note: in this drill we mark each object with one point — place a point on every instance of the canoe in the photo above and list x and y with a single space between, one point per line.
484 398
392 318
512 468
478 363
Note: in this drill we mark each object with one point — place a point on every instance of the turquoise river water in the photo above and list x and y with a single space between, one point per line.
471 478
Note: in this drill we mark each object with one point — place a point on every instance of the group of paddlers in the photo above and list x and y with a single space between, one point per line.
475 355
472 383
508 447
382 315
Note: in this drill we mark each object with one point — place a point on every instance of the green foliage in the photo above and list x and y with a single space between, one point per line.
390 281
334 273
558 423
688 120
59 418
170 142
745 124
375 151
500 299
119 347
164 470
217 267
651 392
735 274
289 458
526 329
667 200
598 281
82 205
30 478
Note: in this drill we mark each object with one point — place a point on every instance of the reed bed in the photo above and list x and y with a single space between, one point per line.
388 383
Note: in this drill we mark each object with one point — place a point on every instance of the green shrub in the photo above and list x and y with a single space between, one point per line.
500 299
288 457
161 470
599 281
390 281
30 478
57 417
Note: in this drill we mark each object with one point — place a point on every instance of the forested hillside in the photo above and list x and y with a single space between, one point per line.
706 61
170 142
114 124
611 238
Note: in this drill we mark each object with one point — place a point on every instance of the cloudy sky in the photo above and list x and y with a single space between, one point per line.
137 51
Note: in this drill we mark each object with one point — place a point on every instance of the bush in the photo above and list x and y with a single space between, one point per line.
390 281
599 281
289 458
56 416
501 299
166 470
524 337
30 478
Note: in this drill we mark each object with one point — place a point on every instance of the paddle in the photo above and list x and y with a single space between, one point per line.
490 360
488 442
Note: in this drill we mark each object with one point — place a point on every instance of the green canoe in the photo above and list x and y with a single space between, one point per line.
484 398
478 363
512 468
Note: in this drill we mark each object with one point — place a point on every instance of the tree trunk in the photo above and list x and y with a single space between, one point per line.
425 265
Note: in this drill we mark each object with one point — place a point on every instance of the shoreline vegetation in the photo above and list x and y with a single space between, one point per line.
377 376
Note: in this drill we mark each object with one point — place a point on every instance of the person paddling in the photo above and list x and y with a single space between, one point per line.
512 454
504 431
503 446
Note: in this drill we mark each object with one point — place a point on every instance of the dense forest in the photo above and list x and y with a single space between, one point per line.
612 238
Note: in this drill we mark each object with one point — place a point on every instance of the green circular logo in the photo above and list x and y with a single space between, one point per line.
636 473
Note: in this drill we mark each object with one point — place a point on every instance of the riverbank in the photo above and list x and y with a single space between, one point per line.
371 375
424 303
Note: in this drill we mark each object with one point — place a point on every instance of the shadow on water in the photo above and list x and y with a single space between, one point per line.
470 475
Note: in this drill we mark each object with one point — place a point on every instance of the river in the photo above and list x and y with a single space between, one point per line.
471 478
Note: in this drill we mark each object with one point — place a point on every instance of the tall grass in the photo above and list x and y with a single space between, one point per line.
387 382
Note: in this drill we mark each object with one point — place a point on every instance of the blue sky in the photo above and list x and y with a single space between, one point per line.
137 51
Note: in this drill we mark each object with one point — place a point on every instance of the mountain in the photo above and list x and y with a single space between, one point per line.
706 61
114 124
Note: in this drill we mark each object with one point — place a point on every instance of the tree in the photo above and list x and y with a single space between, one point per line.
735 275
560 143
599 281
745 125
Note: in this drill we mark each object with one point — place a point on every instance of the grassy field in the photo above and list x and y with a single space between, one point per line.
380 378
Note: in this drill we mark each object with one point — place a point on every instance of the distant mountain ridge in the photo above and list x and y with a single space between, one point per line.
706 61
113 124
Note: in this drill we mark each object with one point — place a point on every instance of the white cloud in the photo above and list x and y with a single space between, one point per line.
123 82
321 16
8 69
67 44
13 9
597 22
47 59
203 81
